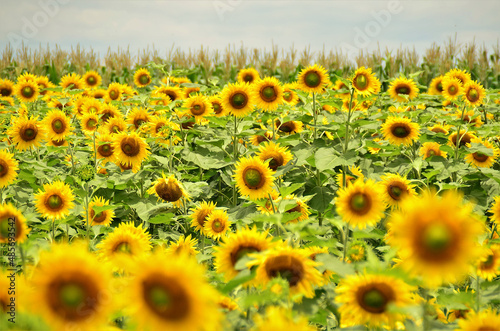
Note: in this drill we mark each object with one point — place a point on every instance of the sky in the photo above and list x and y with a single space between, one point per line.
349 26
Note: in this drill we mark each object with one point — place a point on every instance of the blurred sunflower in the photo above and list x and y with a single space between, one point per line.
72 289
279 318
254 178
465 138
219 110
361 204
429 149
474 93
115 125
485 320
109 111
461 75
364 82
481 160
6 87
488 266
300 207
57 143
103 217
198 106
356 252
217 224
440 128
400 130
313 79
396 189
114 92
248 75
290 97
452 88
72 81
236 246
8 168
138 116
258 139
290 127
291 264
436 86
403 89
190 91
199 215
26 91
237 99
55 201
267 93
277 156
169 190
26 132
104 148
142 77
89 123
436 237
129 148
495 210
312 251
173 92
185 245
365 300
92 79
8 213
176 297
57 124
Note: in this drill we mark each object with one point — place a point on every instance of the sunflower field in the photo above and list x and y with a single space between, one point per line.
187 201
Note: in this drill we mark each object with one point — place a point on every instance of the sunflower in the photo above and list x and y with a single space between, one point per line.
436 237
356 173
484 320
114 92
198 106
237 99
6 87
8 168
341 90
185 245
176 297
12 219
72 289
361 204
465 138
217 224
26 91
474 93
400 130
470 116
290 127
173 92
57 125
267 208
396 189
200 214
190 91
429 149
226 303
125 243
92 79
89 123
176 80
290 97
161 127
313 79
72 81
495 210
356 252
258 139
217 106
365 300
279 318
478 159
127 166
115 125
291 264
169 190
248 75
99 93
312 251
129 148
436 86
267 93
138 116
101 218
55 201
277 156
104 148
403 89
461 75
364 82
142 77
452 88
254 178
236 246
300 207
109 111
375 150
90 105
26 132
488 266
440 128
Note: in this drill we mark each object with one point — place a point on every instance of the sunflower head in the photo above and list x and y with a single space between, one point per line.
396 189
237 99
474 93
403 89
400 130
198 106
6 87
57 124
248 75
479 159
290 127
277 156
253 178
92 79
8 168
138 116
102 217
26 91
462 76
436 86
169 190
185 245
217 224
313 79
267 93
72 81
364 82
429 149
55 201
200 215
142 77
290 97
12 223
217 106
452 88
130 149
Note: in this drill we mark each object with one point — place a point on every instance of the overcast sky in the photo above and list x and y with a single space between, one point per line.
348 25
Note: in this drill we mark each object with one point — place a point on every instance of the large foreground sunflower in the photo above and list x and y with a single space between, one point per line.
237 99
400 130
365 300
130 149
361 204
364 82
26 132
486 320
267 93
237 246
169 190
403 89
8 168
72 289
172 294
313 79
55 201
254 178
12 221
436 236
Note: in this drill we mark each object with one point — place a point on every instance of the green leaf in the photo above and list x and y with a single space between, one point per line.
323 196
326 159
163 218
243 277
332 263
98 209
286 191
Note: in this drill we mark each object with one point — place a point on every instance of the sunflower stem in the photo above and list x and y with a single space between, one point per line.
346 240
485 116
315 116
235 156
478 293
53 231
72 158
23 259
95 152
425 303
493 231
87 209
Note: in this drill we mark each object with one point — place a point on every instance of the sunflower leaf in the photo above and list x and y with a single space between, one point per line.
243 277
332 263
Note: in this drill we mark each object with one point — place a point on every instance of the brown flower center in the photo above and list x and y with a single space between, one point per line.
360 203
166 297
130 146
144 79
59 142
170 191
360 82
312 79
241 251
238 100
99 218
397 190
105 150
480 157
400 131
218 225
287 127
91 81
268 94
275 162
437 242
253 178
114 94
472 95
27 92
488 263
286 267
375 297
5 92
58 126
28 132
54 202
217 107
248 78
288 96
4 168
402 89
198 109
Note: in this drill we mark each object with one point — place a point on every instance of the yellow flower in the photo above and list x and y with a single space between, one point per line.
400 130
114 92
313 79
403 89
101 218
277 156
8 168
365 300
217 224
185 245
217 106
452 88
198 106
462 76
169 190
92 79
6 87
142 77
429 149
436 237
57 124
12 223
440 128
279 318
130 149
495 210
138 116
248 75
72 81
465 138
115 125
104 148
267 93
200 214
89 123
488 266
290 97
480 160
480 321
355 171
364 82
26 91
361 204
474 93
290 127
300 207
436 86
254 178
237 99
396 189
55 201
172 92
